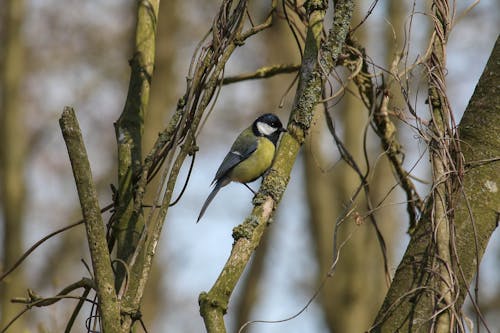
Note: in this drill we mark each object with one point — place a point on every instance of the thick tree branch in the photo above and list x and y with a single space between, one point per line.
96 236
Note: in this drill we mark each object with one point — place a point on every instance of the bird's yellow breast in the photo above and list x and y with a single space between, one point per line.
256 164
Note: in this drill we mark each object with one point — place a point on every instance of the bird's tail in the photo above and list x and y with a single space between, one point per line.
211 196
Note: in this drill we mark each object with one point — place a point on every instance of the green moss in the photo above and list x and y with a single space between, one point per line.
245 230
315 5
214 302
274 185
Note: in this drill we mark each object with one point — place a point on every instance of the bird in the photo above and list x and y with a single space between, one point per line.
250 156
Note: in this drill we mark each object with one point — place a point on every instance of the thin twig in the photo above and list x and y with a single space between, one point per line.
262 73
41 241
76 311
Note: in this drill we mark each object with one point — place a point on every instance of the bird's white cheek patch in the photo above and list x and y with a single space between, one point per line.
265 128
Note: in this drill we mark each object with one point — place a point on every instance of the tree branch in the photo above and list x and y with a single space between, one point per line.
38 301
262 73
247 236
129 127
96 236
445 172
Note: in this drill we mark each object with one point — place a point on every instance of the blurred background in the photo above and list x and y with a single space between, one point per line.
76 53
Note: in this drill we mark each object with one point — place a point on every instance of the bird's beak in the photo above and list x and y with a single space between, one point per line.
283 129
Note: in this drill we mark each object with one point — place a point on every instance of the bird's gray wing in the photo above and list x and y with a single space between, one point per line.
235 155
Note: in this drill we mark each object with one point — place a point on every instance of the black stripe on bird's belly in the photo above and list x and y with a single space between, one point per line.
256 164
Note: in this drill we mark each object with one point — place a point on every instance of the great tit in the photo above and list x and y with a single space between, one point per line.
251 154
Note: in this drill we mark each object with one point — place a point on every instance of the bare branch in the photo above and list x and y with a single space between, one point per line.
96 235
258 28
262 73
34 300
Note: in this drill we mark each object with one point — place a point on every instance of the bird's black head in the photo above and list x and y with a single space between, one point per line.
268 125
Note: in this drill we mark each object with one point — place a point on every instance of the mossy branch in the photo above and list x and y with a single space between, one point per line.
104 278
247 236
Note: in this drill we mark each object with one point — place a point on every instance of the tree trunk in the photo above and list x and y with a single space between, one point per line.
408 306
351 297
12 155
